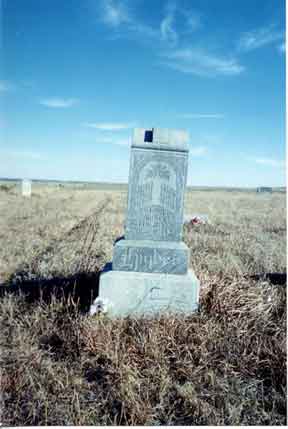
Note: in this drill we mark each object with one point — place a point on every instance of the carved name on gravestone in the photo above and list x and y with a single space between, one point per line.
150 256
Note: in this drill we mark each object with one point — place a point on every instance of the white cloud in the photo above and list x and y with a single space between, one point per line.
202 116
117 13
270 162
114 13
56 102
258 38
109 126
201 63
168 33
166 36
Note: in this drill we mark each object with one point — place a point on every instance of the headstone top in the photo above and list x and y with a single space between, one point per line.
157 180
161 139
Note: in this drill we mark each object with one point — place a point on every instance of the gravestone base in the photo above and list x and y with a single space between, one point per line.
149 294
147 256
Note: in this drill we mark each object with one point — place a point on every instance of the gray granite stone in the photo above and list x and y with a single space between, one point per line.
157 180
151 256
149 294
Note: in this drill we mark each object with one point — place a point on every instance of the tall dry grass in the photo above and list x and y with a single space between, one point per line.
225 365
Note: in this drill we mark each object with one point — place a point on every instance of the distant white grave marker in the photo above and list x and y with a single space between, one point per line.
26 187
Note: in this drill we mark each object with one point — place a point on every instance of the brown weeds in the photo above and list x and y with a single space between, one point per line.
225 365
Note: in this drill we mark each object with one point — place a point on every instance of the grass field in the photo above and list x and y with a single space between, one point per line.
225 365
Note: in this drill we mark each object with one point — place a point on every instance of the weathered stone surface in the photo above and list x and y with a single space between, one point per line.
151 257
149 294
157 182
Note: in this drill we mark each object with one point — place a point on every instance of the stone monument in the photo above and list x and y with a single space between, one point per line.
150 269
26 188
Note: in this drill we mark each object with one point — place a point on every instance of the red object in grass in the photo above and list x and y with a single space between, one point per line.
197 220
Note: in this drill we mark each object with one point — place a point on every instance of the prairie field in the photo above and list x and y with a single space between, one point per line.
224 365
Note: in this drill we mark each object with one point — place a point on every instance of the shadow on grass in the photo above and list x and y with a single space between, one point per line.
83 287
279 279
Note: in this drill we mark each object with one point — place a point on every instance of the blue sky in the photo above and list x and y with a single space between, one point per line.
78 75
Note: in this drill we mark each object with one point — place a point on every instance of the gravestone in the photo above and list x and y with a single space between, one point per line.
150 269
26 188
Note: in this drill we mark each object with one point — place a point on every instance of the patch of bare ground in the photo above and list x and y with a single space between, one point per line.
225 365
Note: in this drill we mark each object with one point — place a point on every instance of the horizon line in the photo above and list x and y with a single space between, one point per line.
19 179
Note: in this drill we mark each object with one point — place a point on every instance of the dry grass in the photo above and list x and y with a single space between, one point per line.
225 365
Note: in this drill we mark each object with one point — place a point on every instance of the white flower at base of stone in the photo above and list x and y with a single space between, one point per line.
100 305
